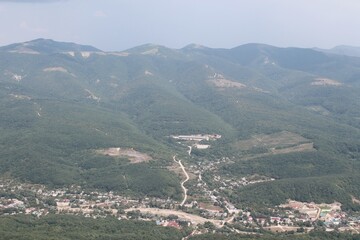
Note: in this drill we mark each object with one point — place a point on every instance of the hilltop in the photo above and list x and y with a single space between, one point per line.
46 46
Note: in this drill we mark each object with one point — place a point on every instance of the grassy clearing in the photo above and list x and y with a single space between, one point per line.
277 143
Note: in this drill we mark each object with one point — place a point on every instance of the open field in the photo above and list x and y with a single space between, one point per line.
276 143
298 148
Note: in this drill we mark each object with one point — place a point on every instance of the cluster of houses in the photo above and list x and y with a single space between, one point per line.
23 198
330 215
234 183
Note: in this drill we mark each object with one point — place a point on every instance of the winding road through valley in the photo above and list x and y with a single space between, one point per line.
183 182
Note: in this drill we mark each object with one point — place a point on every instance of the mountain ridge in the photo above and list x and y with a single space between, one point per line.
42 45
59 46
61 109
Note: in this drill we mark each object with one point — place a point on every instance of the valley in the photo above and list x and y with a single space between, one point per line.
248 140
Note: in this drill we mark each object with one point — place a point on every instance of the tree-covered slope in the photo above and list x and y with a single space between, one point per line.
75 227
60 105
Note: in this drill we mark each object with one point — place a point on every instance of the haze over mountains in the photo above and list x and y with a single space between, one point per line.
290 114
343 50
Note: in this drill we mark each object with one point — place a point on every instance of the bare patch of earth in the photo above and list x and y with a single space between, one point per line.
325 82
148 73
55 69
71 53
14 76
85 54
355 200
201 146
182 215
92 96
130 153
20 97
224 83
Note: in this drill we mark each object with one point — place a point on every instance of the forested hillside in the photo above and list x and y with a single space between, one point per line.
61 103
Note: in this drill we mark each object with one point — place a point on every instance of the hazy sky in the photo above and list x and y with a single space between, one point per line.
121 24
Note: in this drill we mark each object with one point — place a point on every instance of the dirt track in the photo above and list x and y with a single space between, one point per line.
183 182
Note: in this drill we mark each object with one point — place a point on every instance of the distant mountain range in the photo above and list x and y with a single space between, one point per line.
62 103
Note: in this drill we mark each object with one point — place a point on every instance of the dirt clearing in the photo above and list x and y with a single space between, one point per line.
325 82
224 83
55 69
182 215
130 153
